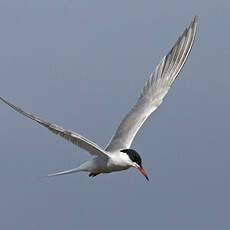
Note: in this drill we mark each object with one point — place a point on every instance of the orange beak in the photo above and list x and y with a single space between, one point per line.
142 171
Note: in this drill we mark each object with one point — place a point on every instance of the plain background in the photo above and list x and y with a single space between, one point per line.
82 64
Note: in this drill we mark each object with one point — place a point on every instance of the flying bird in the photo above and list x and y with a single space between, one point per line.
118 155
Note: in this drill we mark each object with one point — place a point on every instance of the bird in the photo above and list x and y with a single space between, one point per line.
118 154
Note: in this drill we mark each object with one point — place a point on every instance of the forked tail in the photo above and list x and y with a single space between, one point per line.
71 171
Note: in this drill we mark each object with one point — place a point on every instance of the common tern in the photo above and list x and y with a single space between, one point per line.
118 155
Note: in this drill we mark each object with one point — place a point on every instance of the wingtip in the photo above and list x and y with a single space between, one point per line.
194 22
195 19
2 99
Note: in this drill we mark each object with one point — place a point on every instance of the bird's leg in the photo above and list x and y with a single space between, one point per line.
93 174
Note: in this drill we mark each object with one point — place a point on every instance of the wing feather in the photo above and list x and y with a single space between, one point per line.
154 90
73 137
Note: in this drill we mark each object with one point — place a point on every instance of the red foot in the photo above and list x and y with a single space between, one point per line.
93 174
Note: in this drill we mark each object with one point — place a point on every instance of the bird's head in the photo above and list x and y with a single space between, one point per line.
136 161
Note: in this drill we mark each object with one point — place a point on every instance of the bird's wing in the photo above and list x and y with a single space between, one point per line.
154 90
75 138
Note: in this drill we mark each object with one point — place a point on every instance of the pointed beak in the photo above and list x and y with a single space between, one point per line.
142 171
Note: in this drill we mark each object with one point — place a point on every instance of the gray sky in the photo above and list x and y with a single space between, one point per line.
82 64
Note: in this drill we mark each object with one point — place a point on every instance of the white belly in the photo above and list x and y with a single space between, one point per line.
116 162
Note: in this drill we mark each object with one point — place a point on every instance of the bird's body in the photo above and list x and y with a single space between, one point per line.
118 156
117 161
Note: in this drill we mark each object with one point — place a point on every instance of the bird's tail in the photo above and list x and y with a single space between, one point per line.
87 166
70 171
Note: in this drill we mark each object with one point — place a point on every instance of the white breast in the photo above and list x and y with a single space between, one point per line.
118 161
